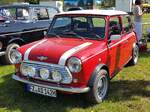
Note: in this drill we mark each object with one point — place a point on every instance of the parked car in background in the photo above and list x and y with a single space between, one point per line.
21 24
82 51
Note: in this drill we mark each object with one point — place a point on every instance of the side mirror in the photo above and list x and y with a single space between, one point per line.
45 33
115 37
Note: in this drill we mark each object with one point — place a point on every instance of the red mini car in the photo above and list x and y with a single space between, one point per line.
81 52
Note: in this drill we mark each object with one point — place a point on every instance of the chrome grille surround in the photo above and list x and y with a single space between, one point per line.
65 73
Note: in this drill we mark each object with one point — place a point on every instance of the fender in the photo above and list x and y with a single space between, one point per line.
98 68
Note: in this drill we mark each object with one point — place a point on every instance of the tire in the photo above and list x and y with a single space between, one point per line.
99 88
8 58
135 55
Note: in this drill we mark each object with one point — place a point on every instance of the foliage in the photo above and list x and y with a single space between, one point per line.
7 1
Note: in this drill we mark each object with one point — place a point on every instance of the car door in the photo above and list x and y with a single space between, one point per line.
115 50
127 37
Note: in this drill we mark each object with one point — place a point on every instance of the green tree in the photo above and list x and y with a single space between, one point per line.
7 1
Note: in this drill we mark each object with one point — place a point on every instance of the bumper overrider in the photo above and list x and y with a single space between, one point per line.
59 88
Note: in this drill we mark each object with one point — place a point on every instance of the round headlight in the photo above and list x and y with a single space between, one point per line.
74 65
24 69
56 76
31 71
44 73
16 56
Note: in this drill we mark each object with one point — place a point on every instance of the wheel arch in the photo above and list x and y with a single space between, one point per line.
17 41
98 68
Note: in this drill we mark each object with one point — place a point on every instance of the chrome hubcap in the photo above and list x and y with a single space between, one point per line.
11 55
102 86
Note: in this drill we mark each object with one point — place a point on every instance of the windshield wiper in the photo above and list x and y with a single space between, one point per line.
72 33
53 34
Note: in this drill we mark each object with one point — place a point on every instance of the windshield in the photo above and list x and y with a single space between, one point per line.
90 27
15 13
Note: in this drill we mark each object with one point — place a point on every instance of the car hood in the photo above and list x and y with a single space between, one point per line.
58 50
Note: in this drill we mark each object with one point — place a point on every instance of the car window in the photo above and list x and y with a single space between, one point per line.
115 27
99 26
90 27
8 12
62 23
127 24
52 12
22 14
41 13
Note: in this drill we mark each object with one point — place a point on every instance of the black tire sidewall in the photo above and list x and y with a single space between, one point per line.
93 97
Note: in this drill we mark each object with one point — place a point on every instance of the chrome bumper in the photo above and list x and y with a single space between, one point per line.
2 53
59 88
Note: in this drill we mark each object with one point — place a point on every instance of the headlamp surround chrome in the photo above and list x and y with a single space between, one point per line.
74 64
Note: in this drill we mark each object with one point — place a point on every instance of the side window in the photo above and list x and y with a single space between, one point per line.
115 26
52 12
22 14
41 13
99 26
127 25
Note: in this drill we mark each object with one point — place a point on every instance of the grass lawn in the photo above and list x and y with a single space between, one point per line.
129 92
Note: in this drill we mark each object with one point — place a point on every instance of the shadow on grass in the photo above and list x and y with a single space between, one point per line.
123 90
145 54
13 96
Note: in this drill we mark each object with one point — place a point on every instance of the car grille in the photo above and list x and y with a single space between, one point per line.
63 70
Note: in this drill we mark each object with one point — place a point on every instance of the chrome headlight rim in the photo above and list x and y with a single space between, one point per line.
56 76
27 71
44 73
74 61
17 56
23 70
31 71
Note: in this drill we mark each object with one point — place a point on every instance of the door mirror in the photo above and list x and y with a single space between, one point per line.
45 33
115 37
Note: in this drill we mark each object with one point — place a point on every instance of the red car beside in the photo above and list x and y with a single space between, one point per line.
82 51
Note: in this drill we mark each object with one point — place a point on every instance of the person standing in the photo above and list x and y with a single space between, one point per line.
138 18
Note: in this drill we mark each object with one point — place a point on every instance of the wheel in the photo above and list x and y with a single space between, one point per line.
135 55
99 88
9 53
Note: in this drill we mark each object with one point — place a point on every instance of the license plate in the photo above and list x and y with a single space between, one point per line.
42 90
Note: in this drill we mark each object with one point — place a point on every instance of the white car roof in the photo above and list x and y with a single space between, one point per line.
95 12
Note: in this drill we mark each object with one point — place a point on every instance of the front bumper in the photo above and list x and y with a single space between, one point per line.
59 88
2 53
